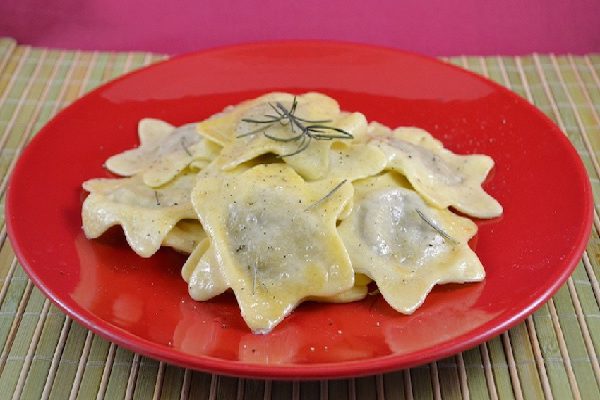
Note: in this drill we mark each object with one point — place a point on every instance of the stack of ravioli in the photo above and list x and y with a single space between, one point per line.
280 220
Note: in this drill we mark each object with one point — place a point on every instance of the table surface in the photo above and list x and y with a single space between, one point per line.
44 354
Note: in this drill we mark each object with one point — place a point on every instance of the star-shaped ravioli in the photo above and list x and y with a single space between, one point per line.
275 239
185 236
223 128
205 280
203 274
355 161
350 162
261 127
146 214
404 245
357 292
164 152
443 178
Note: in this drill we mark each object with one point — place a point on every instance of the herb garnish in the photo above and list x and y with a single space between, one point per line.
304 130
322 199
435 227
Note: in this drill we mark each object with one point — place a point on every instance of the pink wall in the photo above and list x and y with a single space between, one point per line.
432 27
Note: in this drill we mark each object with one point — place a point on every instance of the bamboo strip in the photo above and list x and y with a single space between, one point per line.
584 329
267 393
30 352
408 390
9 276
241 387
185 388
146 379
351 389
488 372
462 373
514 375
106 372
539 358
13 77
380 387
323 391
131 380
7 52
80 368
56 357
15 325
435 381
563 350
159 381
591 276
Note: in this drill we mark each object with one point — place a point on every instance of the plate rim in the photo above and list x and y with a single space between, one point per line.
341 369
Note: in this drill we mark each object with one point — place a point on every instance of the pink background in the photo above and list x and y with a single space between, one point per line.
432 27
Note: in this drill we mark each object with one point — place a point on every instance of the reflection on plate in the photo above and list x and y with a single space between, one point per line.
143 304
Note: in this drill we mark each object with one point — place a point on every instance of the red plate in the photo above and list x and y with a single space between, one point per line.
142 304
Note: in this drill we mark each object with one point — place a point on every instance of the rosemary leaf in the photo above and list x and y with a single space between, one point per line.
279 139
328 195
435 227
316 121
258 121
304 143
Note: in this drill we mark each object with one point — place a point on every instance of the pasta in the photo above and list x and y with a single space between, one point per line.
284 199
404 245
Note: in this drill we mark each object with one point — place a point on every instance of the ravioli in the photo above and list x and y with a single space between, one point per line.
404 245
205 280
443 178
359 291
185 236
355 161
283 199
224 127
251 134
164 152
146 214
275 238
203 274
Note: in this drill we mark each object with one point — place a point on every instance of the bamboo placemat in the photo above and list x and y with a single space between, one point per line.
553 354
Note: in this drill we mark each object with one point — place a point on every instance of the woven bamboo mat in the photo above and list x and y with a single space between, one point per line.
553 354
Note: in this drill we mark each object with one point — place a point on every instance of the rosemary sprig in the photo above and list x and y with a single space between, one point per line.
435 227
328 195
303 130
